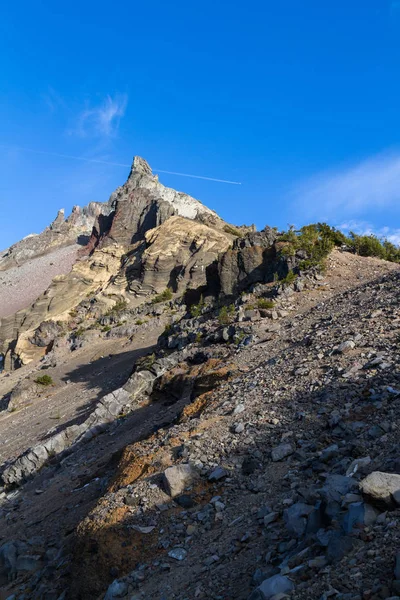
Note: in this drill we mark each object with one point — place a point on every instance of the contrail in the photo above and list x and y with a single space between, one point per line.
114 164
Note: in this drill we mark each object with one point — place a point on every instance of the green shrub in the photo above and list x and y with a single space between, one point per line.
316 241
106 328
290 278
44 380
162 297
226 314
264 303
197 309
239 337
79 332
139 322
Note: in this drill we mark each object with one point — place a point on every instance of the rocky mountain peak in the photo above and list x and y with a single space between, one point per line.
60 218
140 166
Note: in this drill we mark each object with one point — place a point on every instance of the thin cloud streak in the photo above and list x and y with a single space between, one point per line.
114 164
374 183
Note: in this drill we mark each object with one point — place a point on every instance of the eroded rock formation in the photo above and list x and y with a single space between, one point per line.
146 238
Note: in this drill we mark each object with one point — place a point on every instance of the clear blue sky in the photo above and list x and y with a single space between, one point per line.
299 101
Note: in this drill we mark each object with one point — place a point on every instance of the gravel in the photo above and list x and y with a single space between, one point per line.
20 286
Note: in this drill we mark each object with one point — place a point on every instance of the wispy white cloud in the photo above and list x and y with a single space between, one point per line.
364 228
372 184
102 120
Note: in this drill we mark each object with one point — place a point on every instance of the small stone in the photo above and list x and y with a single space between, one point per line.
177 553
117 589
277 584
346 346
358 466
282 451
185 501
268 519
239 428
217 474
191 529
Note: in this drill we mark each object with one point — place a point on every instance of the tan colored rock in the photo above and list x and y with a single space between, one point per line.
382 489
179 252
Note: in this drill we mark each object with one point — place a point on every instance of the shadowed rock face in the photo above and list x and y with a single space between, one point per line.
255 258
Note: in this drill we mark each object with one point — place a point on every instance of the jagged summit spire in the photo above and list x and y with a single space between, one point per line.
140 166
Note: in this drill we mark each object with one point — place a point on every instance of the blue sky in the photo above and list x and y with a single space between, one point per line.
298 101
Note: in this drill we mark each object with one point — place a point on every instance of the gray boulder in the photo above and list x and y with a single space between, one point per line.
382 489
176 479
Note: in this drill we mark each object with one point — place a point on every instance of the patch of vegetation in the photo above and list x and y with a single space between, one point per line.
118 307
239 337
226 314
162 297
106 328
264 303
317 240
79 332
289 279
197 309
147 361
199 337
370 245
44 380
233 230
139 322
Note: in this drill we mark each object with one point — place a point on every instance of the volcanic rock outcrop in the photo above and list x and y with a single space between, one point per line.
146 238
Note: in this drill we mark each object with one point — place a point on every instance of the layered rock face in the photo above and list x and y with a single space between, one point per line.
177 256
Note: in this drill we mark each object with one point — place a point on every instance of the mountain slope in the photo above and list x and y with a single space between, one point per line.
291 388
202 411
